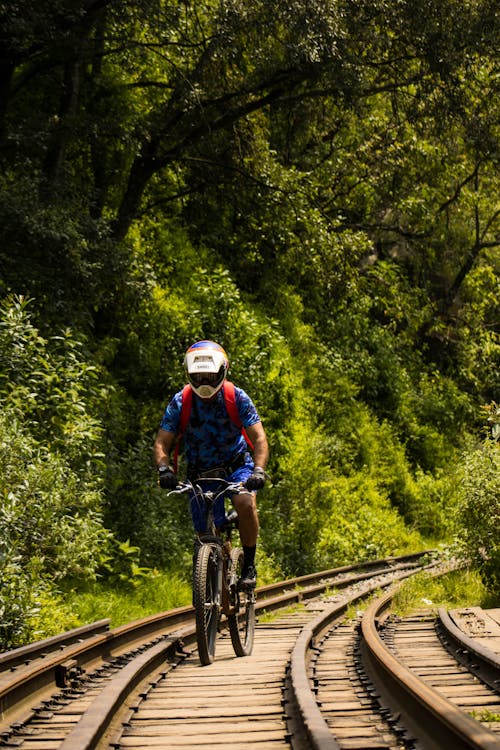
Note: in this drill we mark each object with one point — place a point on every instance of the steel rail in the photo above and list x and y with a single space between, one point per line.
99 716
436 721
39 649
19 690
315 726
479 659
368 565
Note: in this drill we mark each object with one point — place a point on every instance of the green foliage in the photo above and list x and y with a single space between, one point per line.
492 413
121 567
315 187
478 512
362 524
55 252
315 518
50 526
19 599
459 588
156 592
138 510
49 383
50 462
54 615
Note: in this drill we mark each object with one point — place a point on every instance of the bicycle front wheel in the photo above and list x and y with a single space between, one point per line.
241 619
206 599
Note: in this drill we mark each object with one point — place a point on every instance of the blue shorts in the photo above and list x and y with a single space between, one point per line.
198 510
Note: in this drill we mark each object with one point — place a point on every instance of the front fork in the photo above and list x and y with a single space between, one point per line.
220 586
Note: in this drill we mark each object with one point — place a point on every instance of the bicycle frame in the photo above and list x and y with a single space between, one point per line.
216 570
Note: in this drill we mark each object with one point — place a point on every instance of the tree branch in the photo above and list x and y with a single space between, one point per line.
460 187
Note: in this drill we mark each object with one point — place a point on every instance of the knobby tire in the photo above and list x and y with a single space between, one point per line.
241 620
206 599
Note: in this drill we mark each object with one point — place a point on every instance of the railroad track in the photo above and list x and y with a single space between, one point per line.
311 681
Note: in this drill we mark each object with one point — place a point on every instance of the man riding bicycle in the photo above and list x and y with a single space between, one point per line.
214 443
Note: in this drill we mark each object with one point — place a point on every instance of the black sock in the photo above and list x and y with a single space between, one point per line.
248 556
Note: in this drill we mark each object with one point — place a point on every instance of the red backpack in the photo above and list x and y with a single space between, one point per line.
187 403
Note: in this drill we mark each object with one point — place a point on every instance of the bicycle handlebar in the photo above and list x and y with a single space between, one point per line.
187 485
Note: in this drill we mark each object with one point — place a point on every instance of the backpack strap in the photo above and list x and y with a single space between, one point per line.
232 410
186 404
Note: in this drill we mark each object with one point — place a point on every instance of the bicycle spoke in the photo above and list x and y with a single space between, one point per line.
241 619
206 600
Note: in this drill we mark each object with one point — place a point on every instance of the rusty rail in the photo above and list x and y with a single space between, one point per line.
88 732
315 726
39 649
435 720
480 660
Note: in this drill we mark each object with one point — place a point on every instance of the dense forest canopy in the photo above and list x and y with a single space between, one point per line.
312 184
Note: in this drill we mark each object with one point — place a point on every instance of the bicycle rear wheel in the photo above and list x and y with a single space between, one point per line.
241 620
206 600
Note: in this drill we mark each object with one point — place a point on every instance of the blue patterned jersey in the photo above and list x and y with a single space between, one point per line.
211 438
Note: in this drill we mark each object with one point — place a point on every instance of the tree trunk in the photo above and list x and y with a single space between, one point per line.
67 111
7 68
141 172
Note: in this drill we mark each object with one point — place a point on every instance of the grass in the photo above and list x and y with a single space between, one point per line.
460 588
485 716
272 615
156 593
161 591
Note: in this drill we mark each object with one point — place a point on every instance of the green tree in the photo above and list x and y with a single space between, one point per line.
478 513
313 184
51 526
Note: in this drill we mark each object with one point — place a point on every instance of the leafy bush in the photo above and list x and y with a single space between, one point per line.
50 525
315 518
19 598
478 514
50 469
362 524
52 387
138 510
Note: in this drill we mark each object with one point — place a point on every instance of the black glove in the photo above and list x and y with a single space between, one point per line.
166 478
256 480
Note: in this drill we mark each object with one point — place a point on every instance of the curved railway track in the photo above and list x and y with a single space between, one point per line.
316 678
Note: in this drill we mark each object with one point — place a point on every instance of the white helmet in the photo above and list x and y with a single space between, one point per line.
206 365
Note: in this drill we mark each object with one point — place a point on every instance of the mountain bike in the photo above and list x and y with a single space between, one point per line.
217 567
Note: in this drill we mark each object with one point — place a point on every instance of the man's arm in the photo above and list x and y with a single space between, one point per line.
260 446
163 447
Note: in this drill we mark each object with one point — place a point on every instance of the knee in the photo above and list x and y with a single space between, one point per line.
245 503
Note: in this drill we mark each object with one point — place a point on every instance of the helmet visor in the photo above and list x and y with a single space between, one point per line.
206 384
205 378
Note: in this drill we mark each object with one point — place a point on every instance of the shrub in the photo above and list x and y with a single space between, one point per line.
137 510
478 514
362 524
315 518
51 527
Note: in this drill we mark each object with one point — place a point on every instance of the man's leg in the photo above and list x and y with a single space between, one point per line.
246 507
248 521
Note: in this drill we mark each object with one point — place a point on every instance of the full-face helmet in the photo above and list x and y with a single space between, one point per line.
206 365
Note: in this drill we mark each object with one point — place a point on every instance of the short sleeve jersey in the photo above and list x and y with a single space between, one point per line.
211 438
